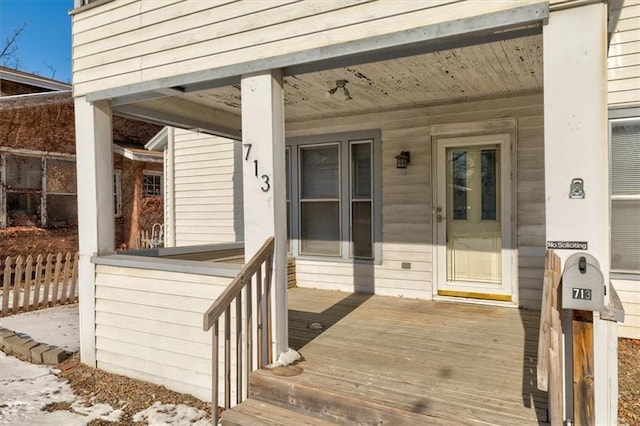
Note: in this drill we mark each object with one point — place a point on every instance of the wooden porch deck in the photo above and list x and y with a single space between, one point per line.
386 360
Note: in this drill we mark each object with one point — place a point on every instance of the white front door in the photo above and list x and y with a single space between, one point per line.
472 217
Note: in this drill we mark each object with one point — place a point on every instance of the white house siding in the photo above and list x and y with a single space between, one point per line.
407 197
132 41
624 90
149 326
624 56
208 189
629 292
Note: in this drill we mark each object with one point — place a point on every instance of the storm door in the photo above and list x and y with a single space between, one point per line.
472 216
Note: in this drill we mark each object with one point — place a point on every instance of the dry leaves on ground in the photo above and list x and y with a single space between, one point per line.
129 395
629 381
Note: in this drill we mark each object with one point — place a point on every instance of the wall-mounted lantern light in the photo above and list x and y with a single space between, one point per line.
403 159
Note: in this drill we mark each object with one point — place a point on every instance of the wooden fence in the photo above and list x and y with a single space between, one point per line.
38 282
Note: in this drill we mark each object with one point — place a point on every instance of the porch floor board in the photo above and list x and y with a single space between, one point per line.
431 362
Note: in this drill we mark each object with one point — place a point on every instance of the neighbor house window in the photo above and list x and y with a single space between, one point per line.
334 211
152 183
625 195
39 190
117 192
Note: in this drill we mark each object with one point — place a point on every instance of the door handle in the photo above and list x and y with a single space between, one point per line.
440 218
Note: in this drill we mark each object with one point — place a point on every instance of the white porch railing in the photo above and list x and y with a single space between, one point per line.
256 275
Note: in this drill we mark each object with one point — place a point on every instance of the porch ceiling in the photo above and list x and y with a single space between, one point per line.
485 70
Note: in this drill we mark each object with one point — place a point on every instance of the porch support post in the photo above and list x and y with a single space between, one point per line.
95 208
575 146
263 180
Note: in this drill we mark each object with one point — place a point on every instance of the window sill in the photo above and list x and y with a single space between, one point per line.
338 260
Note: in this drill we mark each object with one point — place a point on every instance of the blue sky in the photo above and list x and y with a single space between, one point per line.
45 43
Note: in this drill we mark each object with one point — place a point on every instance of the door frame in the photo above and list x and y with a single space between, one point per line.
506 128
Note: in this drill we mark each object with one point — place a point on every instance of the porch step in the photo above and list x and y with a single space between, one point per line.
254 412
332 404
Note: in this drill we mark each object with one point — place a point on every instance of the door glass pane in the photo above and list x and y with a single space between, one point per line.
320 228
319 169
361 170
489 187
457 176
474 236
361 229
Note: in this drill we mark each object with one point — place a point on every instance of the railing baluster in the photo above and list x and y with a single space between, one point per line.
260 330
227 357
249 322
214 373
261 318
267 290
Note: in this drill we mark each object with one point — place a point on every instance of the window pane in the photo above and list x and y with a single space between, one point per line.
61 176
361 170
625 158
625 235
458 183
320 171
361 229
152 184
23 209
320 228
24 172
62 210
489 189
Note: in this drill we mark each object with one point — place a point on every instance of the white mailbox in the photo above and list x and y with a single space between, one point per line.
582 283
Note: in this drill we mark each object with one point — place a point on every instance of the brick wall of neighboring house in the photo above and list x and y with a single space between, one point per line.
49 129
10 88
139 211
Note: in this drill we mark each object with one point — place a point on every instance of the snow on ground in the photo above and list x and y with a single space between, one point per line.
54 326
26 388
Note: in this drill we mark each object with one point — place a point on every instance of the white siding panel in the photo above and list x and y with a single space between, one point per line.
149 326
208 182
624 57
132 45
629 292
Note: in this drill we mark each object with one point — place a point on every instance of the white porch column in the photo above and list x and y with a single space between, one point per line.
575 120
95 208
263 180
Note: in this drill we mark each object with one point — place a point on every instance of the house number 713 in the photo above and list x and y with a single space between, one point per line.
266 184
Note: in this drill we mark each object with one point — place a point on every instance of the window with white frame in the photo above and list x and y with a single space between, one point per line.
38 190
335 213
117 192
152 183
625 195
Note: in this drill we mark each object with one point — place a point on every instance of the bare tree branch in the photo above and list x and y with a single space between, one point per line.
52 69
8 49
